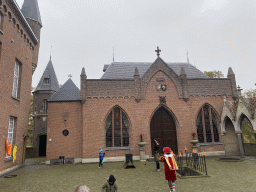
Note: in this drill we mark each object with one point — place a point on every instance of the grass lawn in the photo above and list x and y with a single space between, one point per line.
224 177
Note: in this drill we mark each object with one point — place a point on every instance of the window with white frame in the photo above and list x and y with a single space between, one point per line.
16 80
1 21
10 132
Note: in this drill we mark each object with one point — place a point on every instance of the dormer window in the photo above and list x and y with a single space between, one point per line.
46 80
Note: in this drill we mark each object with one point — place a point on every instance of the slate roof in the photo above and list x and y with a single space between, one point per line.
30 10
125 70
68 92
53 84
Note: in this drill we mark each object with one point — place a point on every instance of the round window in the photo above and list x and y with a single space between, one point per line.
65 132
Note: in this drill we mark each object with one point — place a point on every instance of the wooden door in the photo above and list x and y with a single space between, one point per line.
163 129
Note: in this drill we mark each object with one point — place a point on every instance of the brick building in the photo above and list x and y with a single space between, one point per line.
46 87
166 100
19 48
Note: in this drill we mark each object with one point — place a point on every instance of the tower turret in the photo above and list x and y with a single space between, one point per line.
31 12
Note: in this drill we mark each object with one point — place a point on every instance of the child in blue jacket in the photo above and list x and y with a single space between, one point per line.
101 156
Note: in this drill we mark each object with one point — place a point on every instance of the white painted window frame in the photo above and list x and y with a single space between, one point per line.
16 80
10 133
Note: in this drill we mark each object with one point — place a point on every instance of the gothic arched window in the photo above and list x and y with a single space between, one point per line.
117 129
247 130
207 125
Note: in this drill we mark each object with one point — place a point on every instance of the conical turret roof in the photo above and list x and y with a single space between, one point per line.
30 10
49 73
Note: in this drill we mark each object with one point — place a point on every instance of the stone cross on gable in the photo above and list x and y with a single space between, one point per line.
239 90
158 50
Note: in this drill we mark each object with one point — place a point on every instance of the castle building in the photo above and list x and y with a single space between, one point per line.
46 87
19 48
168 101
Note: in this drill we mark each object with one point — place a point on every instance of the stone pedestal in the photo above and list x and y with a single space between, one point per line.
194 144
142 150
195 147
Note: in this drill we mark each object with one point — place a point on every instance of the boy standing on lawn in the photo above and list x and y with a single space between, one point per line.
170 166
101 156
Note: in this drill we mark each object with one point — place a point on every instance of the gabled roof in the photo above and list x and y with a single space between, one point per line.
125 70
68 92
30 10
53 84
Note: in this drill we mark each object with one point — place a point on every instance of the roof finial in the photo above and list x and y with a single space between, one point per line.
113 54
187 57
239 90
158 50
51 54
69 75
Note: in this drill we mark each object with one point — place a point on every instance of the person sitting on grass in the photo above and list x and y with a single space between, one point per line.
110 185
170 166
82 188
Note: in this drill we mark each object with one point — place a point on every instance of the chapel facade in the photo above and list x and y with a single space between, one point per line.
168 101
19 48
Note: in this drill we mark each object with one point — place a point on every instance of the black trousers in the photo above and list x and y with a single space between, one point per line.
101 163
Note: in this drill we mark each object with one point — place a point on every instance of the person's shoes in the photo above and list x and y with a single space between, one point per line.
173 190
158 170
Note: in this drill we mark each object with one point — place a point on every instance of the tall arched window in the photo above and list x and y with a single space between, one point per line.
117 129
207 125
247 129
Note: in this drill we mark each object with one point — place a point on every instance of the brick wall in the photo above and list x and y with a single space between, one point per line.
61 116
14 46
95 111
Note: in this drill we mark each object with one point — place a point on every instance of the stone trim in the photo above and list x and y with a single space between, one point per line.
9 170
111 159
117 148
15 98
8 159
213 143
213 153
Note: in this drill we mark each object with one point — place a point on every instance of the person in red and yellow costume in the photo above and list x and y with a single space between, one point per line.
170 166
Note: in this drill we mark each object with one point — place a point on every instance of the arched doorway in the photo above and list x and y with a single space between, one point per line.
42 145
230 139
248 136
163 129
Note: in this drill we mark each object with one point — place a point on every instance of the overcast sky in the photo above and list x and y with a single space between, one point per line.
217 34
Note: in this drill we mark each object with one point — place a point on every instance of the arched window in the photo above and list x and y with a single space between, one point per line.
5 9
117 129
10 16
207 125
247 129
14 22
